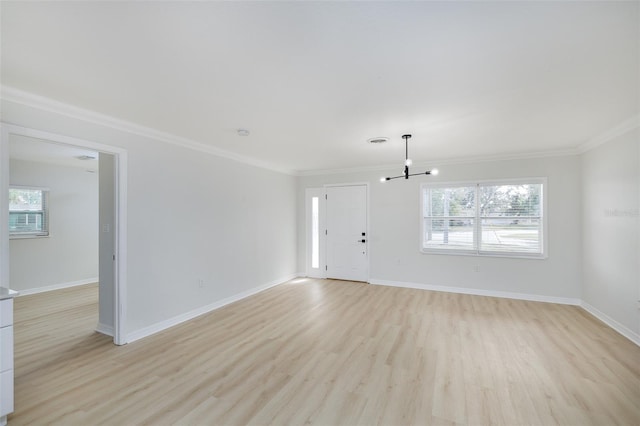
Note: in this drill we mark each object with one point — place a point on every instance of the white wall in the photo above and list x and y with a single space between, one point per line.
70 253
191 216
395 231
611 229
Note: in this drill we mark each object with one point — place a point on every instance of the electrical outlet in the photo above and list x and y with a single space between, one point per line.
201 283
476 268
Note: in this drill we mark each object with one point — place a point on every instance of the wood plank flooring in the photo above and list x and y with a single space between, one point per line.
326 352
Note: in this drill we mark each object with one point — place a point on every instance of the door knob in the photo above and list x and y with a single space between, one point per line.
362 241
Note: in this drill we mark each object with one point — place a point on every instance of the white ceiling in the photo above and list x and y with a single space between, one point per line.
313 81
42 151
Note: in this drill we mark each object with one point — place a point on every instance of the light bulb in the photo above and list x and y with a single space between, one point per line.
408 162
435 172
383 179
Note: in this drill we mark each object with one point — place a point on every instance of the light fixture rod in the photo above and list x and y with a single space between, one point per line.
406 146
406 173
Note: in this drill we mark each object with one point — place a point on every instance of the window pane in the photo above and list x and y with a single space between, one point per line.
510 200
450 202
484 219
28 212
448 233
25 199
315 233
513 234
25 222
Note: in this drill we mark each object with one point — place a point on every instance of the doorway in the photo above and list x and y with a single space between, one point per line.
112 296
347 233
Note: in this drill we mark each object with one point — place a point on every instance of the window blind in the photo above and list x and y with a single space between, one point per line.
484 218
28 212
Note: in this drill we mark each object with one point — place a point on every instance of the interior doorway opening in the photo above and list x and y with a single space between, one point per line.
111 223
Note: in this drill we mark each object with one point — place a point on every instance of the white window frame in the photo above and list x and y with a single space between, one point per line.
45 210
478 220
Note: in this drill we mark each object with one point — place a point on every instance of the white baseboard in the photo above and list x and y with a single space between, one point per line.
480 292
104 329
57 286
626 332
163 325
629 334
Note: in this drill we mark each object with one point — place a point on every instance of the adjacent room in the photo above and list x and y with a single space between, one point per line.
328 213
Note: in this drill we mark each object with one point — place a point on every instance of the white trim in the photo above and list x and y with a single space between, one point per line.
607 320
330 185
480 292
626 332
120 264
478 219
592 143
47 104
59 139
311 193
104 329
4 205
163 325
444 161
57 286
38 188
610 134
120 190
26 235
40 102
368 230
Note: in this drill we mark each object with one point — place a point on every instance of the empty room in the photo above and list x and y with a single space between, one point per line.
327 213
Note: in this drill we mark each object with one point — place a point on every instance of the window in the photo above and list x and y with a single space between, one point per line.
502 218
28 212
315 233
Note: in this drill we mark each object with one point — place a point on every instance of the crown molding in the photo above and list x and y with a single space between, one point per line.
21 97
445 162
47 104
612 133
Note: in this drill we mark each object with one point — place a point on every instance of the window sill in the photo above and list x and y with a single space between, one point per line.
474 253
27 236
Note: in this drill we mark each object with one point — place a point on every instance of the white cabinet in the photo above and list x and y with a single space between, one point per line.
6 359
6 348
6 312
6 394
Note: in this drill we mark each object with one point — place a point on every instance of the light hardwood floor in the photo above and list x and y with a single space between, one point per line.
328 352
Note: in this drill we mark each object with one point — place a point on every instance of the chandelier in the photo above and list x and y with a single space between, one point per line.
407 163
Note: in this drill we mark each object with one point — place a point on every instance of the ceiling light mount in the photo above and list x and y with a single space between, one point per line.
407 163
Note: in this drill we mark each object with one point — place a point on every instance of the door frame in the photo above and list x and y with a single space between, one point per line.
120 190
368 230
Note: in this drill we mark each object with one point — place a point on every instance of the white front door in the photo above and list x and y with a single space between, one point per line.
346 233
